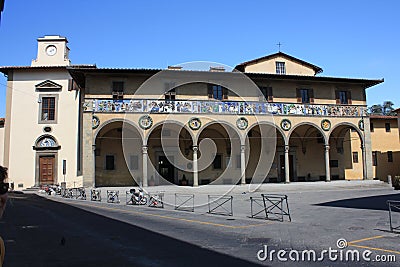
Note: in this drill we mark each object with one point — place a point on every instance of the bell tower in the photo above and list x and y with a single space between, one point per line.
52 51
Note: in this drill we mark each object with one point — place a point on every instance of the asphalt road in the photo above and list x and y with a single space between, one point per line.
40 232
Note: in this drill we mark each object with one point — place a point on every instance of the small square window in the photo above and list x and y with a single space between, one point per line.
280 67
355 157
217 163
387 126
334 163
110 162
390 156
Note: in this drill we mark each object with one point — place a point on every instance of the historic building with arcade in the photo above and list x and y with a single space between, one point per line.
94 126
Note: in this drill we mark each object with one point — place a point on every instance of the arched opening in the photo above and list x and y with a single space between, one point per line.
113 165
170 150
266 154
306 154
346 156
219 155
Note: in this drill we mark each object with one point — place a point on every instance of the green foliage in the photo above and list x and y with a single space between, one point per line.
385 109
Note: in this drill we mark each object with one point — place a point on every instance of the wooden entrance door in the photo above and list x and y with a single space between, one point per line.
46 169
282 168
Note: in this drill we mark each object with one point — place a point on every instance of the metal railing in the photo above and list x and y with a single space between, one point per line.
394 206
184 202
221 205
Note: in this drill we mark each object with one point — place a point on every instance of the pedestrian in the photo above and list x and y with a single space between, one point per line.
3 200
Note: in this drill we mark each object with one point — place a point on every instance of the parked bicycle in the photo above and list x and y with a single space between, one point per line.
137 198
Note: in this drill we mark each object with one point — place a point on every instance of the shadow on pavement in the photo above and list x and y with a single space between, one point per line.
371 203
40 232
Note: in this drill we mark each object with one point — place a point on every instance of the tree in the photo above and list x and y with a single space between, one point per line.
388 108
376 109
385 109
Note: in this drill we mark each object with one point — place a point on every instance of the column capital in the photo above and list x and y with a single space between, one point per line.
242 148
195 149
93 147
145 149
327 147
287 148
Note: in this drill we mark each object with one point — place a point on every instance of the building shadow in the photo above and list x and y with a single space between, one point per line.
371 203
41 232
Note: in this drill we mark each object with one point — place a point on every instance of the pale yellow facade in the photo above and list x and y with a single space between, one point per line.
311 138
269 66
385 141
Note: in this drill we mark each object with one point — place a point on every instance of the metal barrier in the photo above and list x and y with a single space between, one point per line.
67 193
221 205
274 206
182 199
157 200
128 196
112 196
81 193
394 206
95 195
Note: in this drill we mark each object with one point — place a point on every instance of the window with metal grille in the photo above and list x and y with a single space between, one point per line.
280 67
355 157
48 108
390 156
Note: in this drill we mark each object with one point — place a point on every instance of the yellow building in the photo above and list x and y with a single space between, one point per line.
273 119
385 146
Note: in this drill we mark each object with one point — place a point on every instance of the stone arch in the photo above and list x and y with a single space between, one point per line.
310 124
155 126
131 123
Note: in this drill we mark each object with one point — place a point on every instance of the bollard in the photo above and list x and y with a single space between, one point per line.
389 179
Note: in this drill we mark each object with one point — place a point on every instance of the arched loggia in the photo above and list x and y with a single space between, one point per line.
347 152
307 158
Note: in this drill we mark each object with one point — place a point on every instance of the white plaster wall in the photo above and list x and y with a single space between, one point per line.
24 127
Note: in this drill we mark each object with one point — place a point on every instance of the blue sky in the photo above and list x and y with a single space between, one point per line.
357 39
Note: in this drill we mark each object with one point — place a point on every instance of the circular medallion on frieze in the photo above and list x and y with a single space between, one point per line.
95 122
361 124
286 124
242 123
145 122
195 123
325 125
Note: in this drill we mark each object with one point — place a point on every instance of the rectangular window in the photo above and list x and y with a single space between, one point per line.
387 126
343 97
118 90
334 163
217 163
280 67
217 92
355 157
390 156
110 162
305 98
267 93
170 95
133 162
374 158
371 127
48 112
